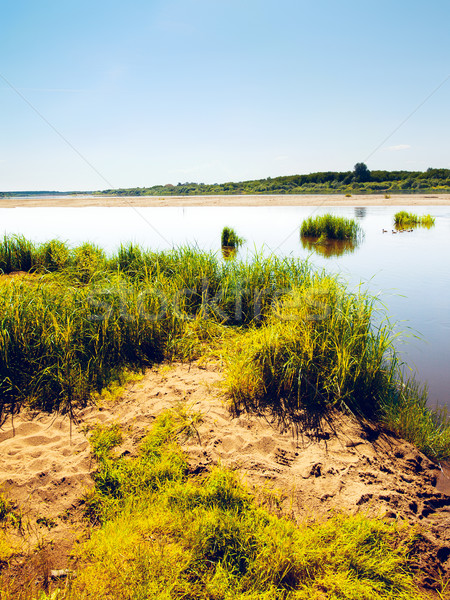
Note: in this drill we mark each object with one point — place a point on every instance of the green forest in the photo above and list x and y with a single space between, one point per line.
359 181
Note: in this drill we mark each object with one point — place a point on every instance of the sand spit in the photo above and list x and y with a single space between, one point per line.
46 466
78 201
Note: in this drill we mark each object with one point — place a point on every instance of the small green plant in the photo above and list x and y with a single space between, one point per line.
230 239
46 522
348 195
104 439
387 196
8 513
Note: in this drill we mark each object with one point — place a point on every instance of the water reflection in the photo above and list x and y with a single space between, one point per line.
229 252
329 248
360 212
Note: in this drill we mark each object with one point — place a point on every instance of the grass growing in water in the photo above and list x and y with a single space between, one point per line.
330 227
230 239
404 219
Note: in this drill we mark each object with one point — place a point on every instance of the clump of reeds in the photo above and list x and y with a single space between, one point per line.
405 411
60 343
404 219
53 256
230 239
17 254
317 350
320 349
330 227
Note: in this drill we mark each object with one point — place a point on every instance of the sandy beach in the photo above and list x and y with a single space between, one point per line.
236 200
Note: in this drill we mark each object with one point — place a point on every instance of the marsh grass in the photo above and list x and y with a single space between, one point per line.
230 239
53 255
17 254
330 227
404 219
318 350
168 535
61 342
293 339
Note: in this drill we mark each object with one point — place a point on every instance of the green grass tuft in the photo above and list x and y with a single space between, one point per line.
404 219
230 239
330 227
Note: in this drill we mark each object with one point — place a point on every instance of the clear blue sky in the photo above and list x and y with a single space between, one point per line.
157 91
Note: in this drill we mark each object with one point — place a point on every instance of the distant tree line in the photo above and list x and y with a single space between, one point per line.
360 180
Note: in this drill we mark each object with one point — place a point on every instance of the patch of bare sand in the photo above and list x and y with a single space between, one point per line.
83 200
346 467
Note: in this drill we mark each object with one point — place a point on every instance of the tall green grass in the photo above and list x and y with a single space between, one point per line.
60 342
404 219
17 254
68 333
318 349
301 341
330 227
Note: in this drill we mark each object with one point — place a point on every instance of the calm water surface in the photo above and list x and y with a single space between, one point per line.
410 271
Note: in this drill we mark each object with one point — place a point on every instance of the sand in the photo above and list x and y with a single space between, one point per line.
46 466
244 200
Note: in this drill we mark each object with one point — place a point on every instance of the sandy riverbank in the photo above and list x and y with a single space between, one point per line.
46 466
246 200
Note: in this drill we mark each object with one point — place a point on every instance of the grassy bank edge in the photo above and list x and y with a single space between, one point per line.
300 336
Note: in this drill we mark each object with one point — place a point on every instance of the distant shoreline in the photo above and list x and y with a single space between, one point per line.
80 201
